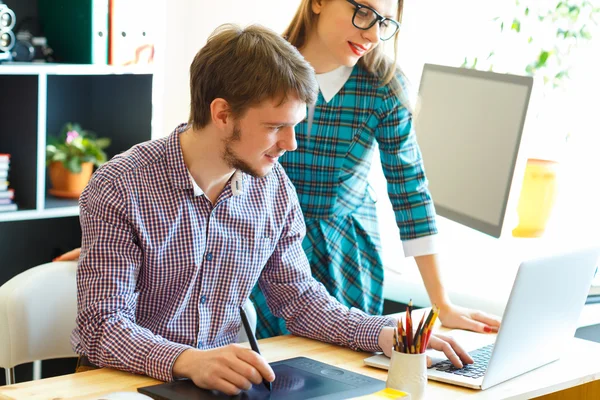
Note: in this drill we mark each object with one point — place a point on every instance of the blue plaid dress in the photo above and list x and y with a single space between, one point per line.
330 170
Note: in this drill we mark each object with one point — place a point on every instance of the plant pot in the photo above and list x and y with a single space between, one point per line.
537 197
67 184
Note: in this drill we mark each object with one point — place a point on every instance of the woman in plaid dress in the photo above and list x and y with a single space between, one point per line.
360 103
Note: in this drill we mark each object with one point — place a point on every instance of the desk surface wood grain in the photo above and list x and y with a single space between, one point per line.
580 366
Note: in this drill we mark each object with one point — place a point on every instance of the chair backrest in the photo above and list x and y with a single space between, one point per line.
252 319
38 308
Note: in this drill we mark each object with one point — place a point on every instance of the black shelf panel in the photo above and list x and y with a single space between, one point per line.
26 244
18 134
115 106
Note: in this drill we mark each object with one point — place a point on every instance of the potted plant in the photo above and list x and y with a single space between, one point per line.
71 158
539 39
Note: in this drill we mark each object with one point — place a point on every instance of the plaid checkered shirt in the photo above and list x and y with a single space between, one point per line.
163 270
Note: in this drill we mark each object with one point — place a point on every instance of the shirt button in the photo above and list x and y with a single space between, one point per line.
202 299
208 256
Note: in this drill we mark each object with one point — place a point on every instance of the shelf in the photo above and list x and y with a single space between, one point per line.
55 202
73 69
37 100
37 214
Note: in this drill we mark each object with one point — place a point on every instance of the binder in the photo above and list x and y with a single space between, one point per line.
132 29
77 30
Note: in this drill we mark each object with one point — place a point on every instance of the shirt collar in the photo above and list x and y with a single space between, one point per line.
180 175
332 82
236 183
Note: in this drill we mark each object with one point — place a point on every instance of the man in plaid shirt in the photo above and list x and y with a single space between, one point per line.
177 231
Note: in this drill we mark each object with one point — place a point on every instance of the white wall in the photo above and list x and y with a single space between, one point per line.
188 25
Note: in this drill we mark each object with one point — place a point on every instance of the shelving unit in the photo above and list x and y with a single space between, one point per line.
35 101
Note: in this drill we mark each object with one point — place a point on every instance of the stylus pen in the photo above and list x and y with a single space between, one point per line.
252 340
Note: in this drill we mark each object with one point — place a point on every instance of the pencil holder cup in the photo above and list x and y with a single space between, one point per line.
408 372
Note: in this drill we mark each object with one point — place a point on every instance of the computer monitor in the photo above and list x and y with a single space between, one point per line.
469 126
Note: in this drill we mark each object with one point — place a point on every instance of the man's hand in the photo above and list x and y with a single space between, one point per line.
463 318
455 353
229 369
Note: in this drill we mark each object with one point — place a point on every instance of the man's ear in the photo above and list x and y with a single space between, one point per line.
316 6
220 113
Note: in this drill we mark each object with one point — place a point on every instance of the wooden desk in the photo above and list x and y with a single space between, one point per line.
579 367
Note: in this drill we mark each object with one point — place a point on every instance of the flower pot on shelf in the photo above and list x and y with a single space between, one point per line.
537 197
67 184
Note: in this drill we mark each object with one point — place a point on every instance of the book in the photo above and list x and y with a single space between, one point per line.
8 207
77 30
7 194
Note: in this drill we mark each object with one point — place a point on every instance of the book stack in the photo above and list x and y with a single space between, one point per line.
7 195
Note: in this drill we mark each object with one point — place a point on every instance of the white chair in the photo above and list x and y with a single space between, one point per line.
38 308
37 314
251 314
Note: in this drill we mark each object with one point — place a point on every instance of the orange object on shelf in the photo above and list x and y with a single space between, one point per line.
538 194
67 184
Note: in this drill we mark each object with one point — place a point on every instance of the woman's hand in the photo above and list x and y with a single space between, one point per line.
72 255
463 318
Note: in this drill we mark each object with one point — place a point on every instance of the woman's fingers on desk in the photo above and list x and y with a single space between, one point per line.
472 320
455 353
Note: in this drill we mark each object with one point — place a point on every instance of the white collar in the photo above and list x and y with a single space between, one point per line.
237 181
332 82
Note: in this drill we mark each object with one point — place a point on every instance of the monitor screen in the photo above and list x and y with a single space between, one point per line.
469 125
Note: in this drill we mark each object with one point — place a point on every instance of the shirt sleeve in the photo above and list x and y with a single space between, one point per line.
106 290
294 295
404 171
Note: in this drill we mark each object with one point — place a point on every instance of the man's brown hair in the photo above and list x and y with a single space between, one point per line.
245 67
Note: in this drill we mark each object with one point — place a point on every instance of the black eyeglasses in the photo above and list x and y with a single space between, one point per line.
365 17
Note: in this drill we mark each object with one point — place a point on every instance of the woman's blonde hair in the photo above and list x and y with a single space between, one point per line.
376 62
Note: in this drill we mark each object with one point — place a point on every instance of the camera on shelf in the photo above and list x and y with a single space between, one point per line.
18 44
31 48
7 37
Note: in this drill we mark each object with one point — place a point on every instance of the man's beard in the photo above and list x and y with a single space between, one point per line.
232 159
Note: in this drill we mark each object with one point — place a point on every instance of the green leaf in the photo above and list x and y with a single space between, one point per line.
502 27
516 25
530 39
574 12
542 58
526 11
530 69
103 143
584 33
73 165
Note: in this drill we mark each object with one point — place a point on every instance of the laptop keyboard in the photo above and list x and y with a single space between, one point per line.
481 358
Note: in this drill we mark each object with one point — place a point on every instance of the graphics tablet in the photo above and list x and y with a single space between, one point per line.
298 378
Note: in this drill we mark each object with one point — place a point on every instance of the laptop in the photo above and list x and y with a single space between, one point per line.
541 315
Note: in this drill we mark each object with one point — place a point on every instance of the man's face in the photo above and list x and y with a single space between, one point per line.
263 134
